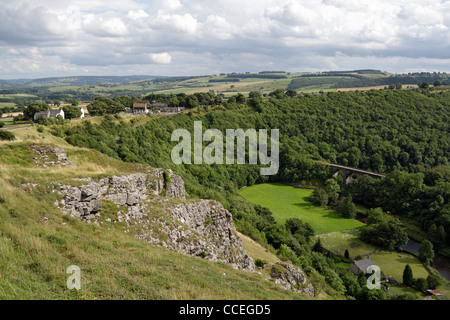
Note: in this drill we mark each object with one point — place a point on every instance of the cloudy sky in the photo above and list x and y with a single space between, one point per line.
40 38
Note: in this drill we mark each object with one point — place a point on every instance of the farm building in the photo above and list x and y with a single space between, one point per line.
159 106
164 108
140 108
361 266
434 293
49 114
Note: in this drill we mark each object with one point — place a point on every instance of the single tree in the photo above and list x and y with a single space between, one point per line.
71 112
426 252
347 208
333 189
319 197
347 255
408 278
424 85
318 246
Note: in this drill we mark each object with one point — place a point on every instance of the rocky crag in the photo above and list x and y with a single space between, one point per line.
290 278
48 156
153 205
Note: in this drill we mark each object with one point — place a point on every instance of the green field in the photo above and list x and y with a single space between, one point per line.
7 105
288 202
340 241
403 290
393 264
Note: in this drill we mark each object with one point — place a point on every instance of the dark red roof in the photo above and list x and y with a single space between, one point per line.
437 293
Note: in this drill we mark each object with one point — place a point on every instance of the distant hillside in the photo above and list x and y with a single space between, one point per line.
363 78
76 80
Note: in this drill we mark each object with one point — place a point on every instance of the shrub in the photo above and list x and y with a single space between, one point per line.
6 135
2 124
434 281
287 254
260 263
421 284
166 179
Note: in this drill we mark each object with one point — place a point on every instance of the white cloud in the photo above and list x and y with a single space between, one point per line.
185 23
194 36
137 14
161 58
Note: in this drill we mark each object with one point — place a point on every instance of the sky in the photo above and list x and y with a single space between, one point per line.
43 38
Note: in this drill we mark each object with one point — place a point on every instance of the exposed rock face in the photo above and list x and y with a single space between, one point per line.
49 156
290 278
210 233
201 228
131 191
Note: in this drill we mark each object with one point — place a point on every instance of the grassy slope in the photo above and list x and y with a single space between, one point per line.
288 202
38 243
256 251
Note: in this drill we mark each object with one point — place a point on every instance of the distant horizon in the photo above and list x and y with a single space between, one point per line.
207 75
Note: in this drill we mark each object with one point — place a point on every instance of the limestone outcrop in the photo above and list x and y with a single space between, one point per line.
290 278
153 205
48 156
205 229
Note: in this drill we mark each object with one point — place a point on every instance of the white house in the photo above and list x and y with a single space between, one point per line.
82 113
51 113
140 108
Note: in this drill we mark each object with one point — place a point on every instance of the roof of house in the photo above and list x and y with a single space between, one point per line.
55 113
363 265
139 105
434 292
159 105
41 113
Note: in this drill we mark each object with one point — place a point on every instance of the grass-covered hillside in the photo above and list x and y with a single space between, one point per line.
38 243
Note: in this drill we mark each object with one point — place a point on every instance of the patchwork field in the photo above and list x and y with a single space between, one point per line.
288 202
